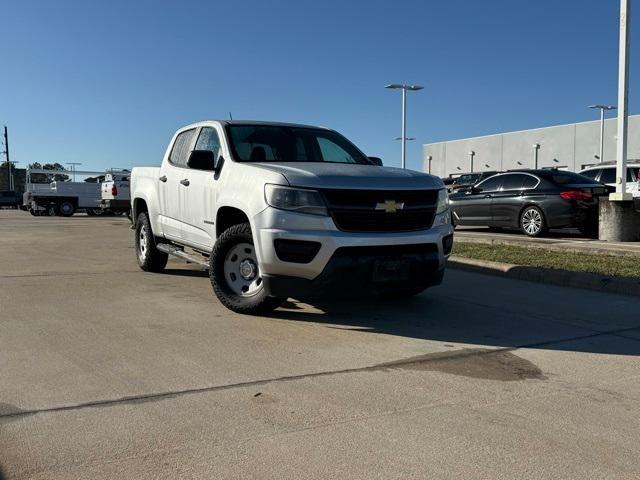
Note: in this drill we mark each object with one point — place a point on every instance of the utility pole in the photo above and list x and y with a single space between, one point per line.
6 152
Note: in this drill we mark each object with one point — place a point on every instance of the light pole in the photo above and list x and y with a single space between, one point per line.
471 155
429 158
73 168
536 147
602 109
404 89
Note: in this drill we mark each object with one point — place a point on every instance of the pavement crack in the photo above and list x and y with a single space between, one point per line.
408 362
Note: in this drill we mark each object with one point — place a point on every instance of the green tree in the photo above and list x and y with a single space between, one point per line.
43 177
18 177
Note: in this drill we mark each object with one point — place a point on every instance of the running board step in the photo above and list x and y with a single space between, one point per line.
178 252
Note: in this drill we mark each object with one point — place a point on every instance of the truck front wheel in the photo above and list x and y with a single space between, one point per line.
150 259
235 276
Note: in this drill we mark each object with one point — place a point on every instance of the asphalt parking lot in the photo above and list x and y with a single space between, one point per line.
109 372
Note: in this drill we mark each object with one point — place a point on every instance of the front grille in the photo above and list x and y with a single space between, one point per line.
355 210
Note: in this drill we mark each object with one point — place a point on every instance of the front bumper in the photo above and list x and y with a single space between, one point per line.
330 265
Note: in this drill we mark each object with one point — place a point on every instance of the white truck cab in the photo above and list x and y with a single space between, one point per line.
277 210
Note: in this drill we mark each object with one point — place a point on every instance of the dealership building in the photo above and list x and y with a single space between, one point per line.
567 147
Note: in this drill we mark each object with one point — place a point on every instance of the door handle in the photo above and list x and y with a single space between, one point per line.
185 182
487 196
163 178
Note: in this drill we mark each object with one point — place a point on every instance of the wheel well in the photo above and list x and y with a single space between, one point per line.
139 206
228 217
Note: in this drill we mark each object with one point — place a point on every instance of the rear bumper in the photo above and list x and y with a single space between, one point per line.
571 215
114 204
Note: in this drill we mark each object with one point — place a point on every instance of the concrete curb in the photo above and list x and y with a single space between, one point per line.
565 278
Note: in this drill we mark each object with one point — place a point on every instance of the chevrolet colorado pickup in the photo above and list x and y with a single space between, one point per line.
277 210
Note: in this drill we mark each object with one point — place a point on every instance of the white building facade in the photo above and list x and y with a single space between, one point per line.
568 147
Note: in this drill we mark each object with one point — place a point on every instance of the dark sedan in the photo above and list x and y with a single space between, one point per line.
531 200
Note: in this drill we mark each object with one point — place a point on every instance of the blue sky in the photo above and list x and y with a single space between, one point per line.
107 83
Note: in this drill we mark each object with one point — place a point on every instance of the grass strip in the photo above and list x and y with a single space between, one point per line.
610 265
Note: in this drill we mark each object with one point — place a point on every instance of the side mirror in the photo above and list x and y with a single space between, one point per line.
202 160
376 161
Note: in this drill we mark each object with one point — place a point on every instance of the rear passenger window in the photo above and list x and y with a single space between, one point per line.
491 184
512 182
529 182
180 151
209 140
608 175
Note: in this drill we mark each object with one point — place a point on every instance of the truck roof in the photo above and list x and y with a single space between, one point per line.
253 122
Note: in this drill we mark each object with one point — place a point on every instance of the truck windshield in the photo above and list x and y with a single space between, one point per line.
276 143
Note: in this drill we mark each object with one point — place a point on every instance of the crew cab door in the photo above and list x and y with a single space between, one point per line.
199 193
171 193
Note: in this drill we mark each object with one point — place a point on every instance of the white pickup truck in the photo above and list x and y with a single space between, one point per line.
278 210
115 193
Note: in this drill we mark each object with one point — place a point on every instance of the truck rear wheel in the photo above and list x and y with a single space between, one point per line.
150 259
66 208
235 276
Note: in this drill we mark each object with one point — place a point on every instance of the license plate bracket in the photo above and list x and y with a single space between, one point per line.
391 270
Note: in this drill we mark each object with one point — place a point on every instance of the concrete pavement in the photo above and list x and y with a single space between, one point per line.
109 372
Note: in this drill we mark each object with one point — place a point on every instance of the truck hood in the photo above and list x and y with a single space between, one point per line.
351 176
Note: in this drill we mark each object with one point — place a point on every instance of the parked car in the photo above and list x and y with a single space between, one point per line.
282 210
605 173
9 199
531 200
466 180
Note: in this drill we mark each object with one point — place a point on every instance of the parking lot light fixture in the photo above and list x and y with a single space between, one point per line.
404 88
471 155
602 109
536 147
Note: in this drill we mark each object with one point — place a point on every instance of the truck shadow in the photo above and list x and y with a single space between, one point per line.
487 320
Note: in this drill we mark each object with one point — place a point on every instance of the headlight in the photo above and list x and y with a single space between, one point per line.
295 199
443 201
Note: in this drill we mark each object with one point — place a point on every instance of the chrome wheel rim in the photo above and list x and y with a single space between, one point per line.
142 243
532 221
241 270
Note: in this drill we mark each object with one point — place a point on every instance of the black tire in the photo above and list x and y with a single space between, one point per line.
150 259
532 221
94 212
590 230
257 303
66 208
52 210
32 211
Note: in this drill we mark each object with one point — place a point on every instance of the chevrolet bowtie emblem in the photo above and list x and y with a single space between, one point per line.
390 206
